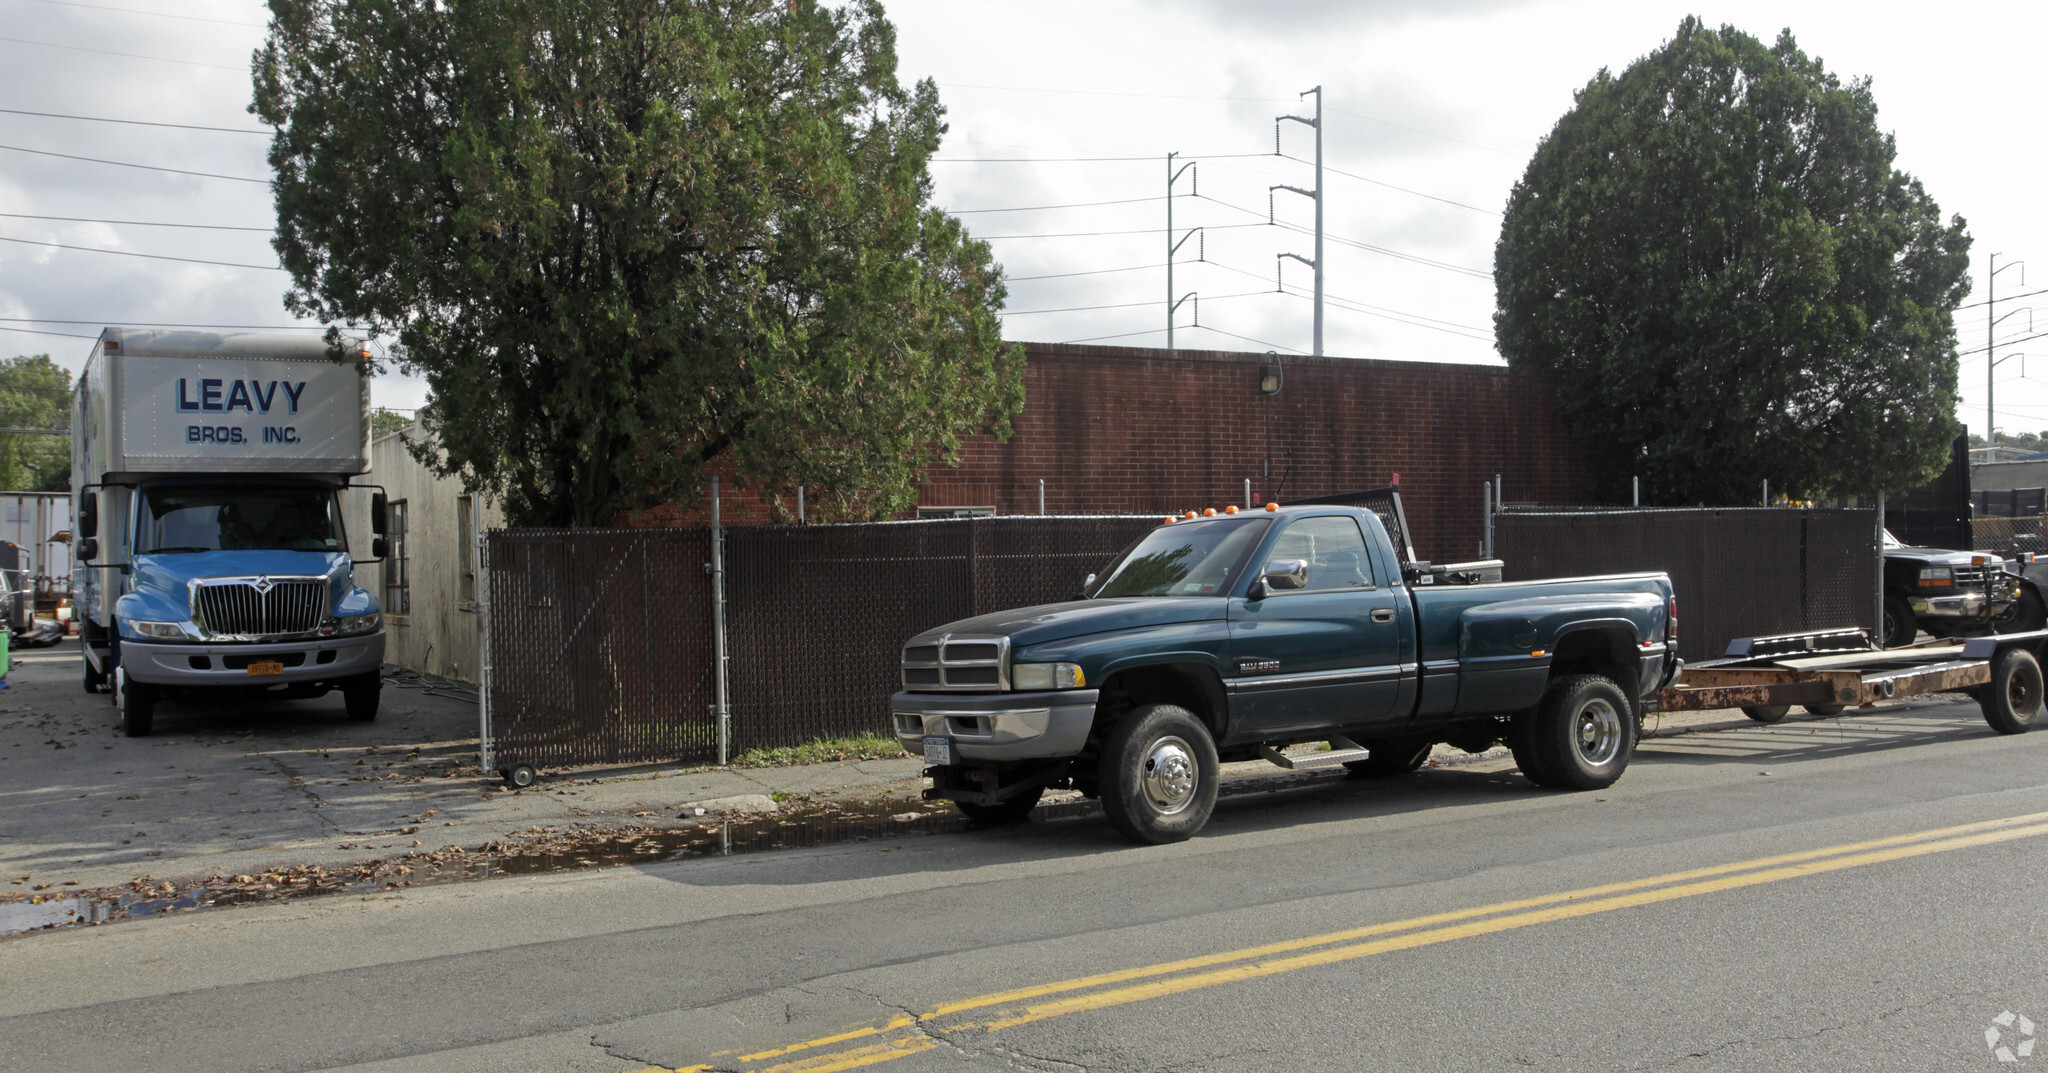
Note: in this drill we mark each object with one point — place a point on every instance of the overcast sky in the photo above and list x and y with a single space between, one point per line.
1430 111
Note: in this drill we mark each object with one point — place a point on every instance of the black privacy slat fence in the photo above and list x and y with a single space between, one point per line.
602 645
1737 572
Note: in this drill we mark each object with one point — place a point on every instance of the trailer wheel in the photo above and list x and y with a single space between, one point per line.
2012 699
1824 709
1767 713
1391 757
1582 733
1158 774
2023 615
521 776
1013 810
1899 624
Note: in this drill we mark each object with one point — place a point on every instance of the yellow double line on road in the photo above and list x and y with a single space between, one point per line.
904 1035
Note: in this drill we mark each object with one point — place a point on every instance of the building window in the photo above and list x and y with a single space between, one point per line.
465 554
397 579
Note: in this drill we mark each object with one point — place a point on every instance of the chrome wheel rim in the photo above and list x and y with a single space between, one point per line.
1171 775
1596 733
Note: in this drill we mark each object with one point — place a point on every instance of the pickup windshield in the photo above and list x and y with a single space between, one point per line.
258 517
1186 559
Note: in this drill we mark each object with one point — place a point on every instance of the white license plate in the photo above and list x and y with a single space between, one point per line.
938 752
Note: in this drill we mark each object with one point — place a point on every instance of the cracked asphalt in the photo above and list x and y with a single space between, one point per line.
1891 941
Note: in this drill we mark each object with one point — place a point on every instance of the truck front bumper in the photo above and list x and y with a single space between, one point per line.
1961 605
997 726
204 665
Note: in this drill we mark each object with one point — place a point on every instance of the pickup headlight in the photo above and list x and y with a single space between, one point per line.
160 631
1935 577
1035 676
356 624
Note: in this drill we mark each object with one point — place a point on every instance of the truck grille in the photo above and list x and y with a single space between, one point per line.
964 664
1970 576
259 607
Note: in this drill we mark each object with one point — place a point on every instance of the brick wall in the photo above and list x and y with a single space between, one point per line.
1122 430
1117 430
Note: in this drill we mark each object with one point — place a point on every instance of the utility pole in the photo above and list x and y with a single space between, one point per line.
1316 195
1991 351
1173 301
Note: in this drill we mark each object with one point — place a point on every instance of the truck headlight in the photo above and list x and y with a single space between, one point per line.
357 624
1935 577
1047 676
160 631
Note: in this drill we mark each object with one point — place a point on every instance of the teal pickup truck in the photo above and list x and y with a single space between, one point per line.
1232 636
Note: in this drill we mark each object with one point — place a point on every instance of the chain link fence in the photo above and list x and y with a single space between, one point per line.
1737 572
601 641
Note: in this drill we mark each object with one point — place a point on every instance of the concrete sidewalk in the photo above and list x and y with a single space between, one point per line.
263 787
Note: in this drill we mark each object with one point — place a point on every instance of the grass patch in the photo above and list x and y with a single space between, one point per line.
824 751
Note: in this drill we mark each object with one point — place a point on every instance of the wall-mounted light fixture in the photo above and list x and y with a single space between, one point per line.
1269 379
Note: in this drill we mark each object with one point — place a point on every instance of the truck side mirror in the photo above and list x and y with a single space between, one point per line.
380 515
88 515
380 548
1287 574
88 550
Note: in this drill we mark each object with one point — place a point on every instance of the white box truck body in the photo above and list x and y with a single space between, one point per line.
210 555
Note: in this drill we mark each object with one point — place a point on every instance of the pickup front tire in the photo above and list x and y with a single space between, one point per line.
1579 737
1158 774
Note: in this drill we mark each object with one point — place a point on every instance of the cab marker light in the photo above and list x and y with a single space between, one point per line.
1189 514
1233 510
1208 512
1272 507
1166 521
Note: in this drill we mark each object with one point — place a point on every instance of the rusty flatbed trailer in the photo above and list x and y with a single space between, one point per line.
1830 671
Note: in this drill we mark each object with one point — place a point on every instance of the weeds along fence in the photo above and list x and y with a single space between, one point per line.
602 644
1737 572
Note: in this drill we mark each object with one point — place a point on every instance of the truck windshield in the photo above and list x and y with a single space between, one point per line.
272 517
1186 559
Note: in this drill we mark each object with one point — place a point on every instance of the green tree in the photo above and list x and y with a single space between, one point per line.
624 239
1713 257
35 393
384 422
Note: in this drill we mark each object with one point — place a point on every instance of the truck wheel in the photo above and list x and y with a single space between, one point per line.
1582 733
1158 774
1014 810
1767 713
1391 757
1899 626
1824 709
138 705
2023 615
361 694
2012 699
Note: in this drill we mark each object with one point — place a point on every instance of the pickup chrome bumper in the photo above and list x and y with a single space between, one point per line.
997 726
1967 605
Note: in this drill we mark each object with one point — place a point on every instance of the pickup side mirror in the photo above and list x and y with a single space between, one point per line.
1282 574
380 515
88 550
88 515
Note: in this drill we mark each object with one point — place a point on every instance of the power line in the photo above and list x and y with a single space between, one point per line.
1391 186
133 223
32 331
133 122
1125 305
1093 234
1071 205
1355 306
1249 339
125 55
1153 158
1091 272
163 324
1417 258
126 164
132 253
2008 298
1099 338
156 14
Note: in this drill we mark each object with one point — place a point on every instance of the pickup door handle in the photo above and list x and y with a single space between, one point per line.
1383 614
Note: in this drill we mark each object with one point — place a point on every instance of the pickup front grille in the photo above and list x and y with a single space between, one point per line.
963 664
1970 576
259 607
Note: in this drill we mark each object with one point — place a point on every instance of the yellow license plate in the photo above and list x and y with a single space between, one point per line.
266 667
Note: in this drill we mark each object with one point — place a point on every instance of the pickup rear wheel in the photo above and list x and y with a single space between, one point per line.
1581 735
1390 757
2012 699
1158 774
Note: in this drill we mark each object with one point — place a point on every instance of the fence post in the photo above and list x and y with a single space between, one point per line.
1486 506
1635 494
799 504
724 713
1880 568
1041 496
1247 493
483 614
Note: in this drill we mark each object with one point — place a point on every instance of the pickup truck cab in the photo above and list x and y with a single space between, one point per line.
1231 636
1957 593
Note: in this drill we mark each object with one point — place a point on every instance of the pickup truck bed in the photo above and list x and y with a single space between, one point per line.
1231 636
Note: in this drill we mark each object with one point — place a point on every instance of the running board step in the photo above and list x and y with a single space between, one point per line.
1342 751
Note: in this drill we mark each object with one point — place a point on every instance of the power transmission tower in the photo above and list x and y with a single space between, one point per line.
1172 301
1316 195
1991 349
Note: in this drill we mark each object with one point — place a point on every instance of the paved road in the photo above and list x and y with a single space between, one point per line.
1850 894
